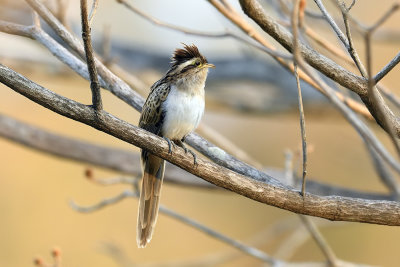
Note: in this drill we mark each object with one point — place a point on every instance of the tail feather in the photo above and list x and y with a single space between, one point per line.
153 175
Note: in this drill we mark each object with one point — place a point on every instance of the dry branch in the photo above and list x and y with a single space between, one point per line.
271 192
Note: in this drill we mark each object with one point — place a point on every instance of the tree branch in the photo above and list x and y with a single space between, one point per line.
271 193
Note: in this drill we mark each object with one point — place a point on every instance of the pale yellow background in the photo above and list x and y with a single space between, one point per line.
35 188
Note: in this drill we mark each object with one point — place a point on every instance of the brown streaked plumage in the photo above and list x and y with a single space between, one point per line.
172 110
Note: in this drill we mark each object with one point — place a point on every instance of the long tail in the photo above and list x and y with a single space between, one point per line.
153 175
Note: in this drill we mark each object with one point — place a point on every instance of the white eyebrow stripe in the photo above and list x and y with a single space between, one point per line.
185 64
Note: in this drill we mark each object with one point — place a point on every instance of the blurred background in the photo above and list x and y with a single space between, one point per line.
250 100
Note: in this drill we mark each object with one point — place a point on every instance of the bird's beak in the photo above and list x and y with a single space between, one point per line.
209 65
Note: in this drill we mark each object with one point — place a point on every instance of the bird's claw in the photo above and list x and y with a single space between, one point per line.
182 145
170 144
193 154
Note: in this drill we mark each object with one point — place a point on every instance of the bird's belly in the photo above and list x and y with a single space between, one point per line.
183 112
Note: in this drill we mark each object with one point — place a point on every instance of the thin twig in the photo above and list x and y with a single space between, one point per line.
295 22
333 24
371 30
350 44
94 82
320 240
103 203
385 70
313 230
114 180
303 133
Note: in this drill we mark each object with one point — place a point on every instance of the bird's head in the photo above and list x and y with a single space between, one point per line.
188 63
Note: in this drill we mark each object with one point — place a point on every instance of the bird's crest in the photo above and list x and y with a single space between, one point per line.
186 53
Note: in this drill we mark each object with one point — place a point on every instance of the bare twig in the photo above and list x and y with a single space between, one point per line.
103 203
319 239
295 22
313 230
113 180
333 24
94 82
386 69
350 44
371 30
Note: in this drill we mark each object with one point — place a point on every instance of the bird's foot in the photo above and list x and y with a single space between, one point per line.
170 145
182 145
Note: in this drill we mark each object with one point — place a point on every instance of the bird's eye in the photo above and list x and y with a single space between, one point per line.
197 63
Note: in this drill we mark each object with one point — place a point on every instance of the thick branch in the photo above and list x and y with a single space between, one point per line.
332 207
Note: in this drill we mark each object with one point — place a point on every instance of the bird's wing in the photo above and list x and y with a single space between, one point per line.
152 115
151 120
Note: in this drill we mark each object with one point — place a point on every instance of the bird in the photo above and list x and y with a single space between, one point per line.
172 110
